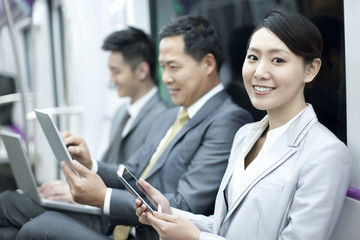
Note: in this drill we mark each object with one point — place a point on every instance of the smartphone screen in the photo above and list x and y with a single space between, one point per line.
126 177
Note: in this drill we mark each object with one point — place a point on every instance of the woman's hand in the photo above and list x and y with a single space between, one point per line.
157 196
168 226
172 227
160 201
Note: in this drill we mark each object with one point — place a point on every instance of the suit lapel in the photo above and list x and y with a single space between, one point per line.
167 121
255 174
115 137
222 206
205 111
118 120
144 111
250 140
285 147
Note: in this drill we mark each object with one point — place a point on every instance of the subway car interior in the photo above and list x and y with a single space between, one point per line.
51 59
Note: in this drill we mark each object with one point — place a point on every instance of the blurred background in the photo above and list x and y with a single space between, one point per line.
51 58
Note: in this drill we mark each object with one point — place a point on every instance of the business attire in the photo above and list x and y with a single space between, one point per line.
188 171
16 209
294 189
132 129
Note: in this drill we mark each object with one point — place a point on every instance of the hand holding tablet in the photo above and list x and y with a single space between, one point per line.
52 134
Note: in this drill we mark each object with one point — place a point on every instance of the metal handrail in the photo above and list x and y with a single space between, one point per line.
58 111
18 69
13 97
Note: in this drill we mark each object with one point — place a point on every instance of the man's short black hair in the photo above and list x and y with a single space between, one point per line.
134 45
200 37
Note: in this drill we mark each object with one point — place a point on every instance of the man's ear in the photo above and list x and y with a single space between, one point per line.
209 63
312 70
143 70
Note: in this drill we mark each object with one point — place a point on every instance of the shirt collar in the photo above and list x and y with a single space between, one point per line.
136 107
195 107
263 124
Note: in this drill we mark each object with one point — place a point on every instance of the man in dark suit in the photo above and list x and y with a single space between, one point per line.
189 168
132 65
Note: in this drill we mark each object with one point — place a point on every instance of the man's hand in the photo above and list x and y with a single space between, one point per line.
77 148
56 190
88 189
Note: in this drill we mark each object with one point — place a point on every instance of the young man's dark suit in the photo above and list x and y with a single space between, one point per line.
138 130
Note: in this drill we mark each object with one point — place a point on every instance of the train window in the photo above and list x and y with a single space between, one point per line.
234 20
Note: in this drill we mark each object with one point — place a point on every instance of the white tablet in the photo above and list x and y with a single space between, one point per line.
52 134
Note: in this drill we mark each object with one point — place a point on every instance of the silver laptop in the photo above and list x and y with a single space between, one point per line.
52 135
25 179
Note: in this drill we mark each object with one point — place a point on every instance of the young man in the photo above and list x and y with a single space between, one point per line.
189 168
132 65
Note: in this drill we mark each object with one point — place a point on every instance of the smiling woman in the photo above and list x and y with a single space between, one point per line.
287 174
266 71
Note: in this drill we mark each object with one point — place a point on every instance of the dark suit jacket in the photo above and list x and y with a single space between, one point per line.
190 169
138 130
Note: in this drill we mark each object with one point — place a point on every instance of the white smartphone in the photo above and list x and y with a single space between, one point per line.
125 177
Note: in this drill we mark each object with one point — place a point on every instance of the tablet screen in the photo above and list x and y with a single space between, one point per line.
52 135
136 189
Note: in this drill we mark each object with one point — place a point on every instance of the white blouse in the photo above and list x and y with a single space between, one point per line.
254 134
